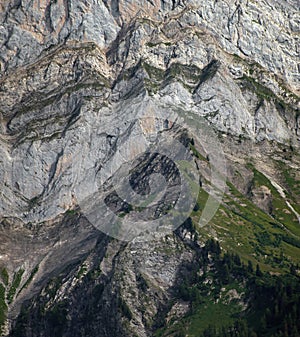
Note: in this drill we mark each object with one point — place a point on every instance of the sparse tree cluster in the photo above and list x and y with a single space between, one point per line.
273 301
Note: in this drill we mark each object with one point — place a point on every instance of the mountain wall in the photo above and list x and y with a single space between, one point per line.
83 86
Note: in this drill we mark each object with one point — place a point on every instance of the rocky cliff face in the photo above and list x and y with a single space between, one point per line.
78 80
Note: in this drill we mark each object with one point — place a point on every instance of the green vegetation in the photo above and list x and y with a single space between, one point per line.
256 235
281 211
15 285
3 306
146 203
260 90
126 209
252 292
124 309
94 274
196 153
30 278
156 77
188 76
291 179
272 239
4 276
82 271
264 92
71 212
230 298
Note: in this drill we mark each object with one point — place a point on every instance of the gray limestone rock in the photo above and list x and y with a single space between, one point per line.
76 78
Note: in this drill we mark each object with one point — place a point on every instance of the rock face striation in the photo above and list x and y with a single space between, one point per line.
76 79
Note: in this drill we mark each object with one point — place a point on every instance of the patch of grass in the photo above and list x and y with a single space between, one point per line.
53 286
71 212
155 79
281 212
291 179
231 296
254 234
264 92
94 274
3 306
259 89
82 271
4 275
30 278
201 201
206 315
189 173
188 76
15 285
191 74
153 72
124 308
146 202
196 153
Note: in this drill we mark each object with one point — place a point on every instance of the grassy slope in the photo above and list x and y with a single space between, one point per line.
272 240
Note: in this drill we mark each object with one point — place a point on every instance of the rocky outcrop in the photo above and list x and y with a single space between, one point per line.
84 86
266 33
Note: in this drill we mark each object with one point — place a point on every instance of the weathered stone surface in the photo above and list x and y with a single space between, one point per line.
75 76
255 30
